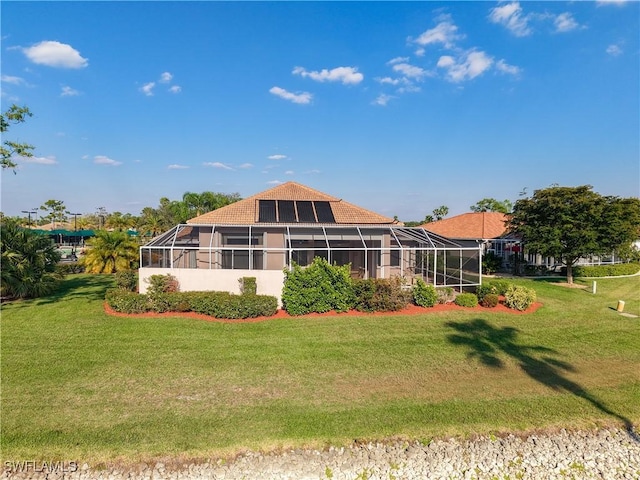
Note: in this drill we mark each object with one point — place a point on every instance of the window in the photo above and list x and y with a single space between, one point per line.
395 258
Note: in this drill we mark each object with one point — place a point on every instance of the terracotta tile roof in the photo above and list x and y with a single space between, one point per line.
245 212
483 225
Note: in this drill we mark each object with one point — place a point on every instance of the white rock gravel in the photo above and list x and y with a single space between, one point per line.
602 454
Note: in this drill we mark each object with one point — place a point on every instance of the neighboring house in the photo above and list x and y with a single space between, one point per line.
485 228
265 234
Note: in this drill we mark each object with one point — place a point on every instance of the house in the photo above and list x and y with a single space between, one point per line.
489 229
262 235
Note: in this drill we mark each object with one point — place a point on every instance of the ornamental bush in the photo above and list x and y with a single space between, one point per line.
519 298
381 295
466 300
424 295
500 285
445 295
319 288
126 280
127 302
248 285
490 300
484 290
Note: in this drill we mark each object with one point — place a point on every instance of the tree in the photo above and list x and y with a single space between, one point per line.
57 211
11 149
110 252
573 222
437 214
28 262
492 205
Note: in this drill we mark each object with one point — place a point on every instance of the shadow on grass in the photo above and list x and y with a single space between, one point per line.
486 343
84 286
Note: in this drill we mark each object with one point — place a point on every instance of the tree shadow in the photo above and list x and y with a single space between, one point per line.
87 287
486 343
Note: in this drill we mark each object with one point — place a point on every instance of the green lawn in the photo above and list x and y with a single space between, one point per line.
78 384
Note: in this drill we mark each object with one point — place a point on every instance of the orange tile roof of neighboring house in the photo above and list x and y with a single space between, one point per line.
482 225
245 212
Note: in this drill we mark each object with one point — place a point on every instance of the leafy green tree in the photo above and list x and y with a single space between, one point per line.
11 149
110 252
492 205
437 214
28 262
119 221
57 212
573 222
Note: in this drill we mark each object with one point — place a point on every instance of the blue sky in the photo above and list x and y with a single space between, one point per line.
398 107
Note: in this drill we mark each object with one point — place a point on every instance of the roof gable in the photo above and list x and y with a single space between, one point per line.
474 225
247 211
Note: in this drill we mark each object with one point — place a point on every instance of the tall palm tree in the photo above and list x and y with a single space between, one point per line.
110 252
28 262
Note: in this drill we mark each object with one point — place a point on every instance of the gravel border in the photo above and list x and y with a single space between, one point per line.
602 454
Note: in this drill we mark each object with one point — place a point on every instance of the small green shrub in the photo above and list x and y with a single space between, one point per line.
519 298
381 295
320 287
500 284
614 270
424 295
484 290
466 300
490 300
445 295
127 302
491 263
248 285
162 284
126 280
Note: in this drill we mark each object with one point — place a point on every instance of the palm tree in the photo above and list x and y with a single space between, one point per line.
28 262
110 252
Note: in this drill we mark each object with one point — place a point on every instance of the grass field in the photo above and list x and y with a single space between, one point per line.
78 384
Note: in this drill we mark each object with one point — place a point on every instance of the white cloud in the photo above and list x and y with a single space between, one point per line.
55 54
166 77
104 160
176 166
289 172
393 61
601 3
219 165
466 68
504 67
382 100
410 71
277 157
50 160
510 16
12 80
147 88
444 33
345 75
614 50
245 166
388 80
312 172
175 89
565 23
274 182
303 98
69 92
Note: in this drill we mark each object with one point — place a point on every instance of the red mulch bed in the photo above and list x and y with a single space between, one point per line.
410 310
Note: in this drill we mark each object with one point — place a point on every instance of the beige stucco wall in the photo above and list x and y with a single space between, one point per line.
269 282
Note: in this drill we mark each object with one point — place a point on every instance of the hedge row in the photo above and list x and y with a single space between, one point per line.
614 270
215 304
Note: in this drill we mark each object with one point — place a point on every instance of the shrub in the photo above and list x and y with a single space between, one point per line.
490 300
64 269
381 295
445 295
519 298
491 263
501 285
127 280
320 287
614 270
126 302
424 295
484 290
162 284
248 285
466 300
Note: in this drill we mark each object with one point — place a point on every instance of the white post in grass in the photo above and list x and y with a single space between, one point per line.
594 287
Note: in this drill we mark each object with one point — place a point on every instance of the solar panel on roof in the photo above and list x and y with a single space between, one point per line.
267 211
286 211
324 212
305 212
